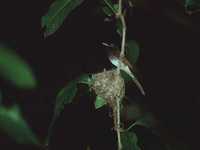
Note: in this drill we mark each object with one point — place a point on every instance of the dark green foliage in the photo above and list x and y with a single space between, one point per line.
147 120
66 95
99 102
13 124
1 98
192 4
132 51
57 13
109 8
14 69
129 141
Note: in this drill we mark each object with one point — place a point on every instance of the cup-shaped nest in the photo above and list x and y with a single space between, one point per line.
110 86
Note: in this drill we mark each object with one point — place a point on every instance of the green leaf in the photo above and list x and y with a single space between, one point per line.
14 69
65 96
147 120
192 5
99 102
129 141
119 27
85 79
13 124
111 9
132 51
125 76
57 13
107 11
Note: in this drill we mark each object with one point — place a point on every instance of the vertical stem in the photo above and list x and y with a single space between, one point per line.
122 19
122 53
118 125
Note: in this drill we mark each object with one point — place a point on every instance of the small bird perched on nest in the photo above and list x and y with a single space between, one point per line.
122 63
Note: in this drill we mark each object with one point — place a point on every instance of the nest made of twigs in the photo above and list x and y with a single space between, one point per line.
109 85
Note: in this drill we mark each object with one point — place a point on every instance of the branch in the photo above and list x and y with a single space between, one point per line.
118 128
120 15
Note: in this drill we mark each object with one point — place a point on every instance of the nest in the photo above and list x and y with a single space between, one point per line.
110 86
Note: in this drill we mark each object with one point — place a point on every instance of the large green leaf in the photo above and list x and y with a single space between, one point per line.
99 102
129 141
14 69
13 124
57 13
65 96
132 51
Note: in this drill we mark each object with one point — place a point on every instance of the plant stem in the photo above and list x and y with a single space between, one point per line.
118 128
131 126
120 15
122 53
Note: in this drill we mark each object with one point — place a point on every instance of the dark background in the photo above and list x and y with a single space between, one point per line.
168 65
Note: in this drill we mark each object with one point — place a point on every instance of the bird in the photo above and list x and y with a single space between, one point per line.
122 63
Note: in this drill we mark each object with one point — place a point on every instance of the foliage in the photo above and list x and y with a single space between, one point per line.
14 69
13 124
57 13
65 96
130 141
192 5
99 102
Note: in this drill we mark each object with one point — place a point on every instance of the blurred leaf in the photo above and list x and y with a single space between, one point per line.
1 97
147 121
111 9
132 51
85 79
107 11
129 141
12 123
133 110
192 5
99 102
57 13
119 27
14 69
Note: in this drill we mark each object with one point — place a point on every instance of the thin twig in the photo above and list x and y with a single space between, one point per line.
118 128
120 15
122 53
